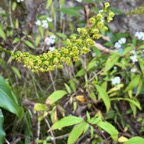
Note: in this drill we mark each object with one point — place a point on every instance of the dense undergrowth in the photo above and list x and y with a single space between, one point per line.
67 77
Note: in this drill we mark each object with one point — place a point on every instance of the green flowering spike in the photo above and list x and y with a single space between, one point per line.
111 14
100 24
99 16
92 20
90 42
107 4
109 19
76 58
74 47
96 36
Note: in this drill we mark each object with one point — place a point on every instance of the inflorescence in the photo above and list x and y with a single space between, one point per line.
76 46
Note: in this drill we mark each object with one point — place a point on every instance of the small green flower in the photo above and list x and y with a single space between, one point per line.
89 42
111 14
107 4
109 19
92 20
99 16
100 24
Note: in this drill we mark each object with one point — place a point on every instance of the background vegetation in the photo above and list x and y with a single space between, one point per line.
67 75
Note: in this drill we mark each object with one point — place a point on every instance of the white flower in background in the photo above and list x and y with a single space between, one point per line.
100 11
116 80
93 54
133 52
53 37
51 48
20 1
115 68
134 58
122 41
139 35
38 22
119 43
79 0
44 24
50 40
133 70
49 19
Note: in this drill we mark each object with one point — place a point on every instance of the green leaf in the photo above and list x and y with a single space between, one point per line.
16 71
37 40
133 83
127 50
9 100
135 140
2 33
16 40
68 88
61 35
109 128
141 63
133 101
77 131
72 85
111 61
49 2
14 5
62 2
95 120
40 107
66 121
8 104
29 44
103 94
80 73
70 11
91 65
55 96
2 133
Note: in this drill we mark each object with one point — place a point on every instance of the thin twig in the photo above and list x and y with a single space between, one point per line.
51 132
10 16
104 49
51 78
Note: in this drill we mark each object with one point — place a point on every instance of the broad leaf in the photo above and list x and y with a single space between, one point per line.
55 96
135 140
70 11
109 128
103 94
133 83
49 2
111 61
77 131
16 71
66 121
2 133
8 104
2 33
29 44
8 100
40 107
133 101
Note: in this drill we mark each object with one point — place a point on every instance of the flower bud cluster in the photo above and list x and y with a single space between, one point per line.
74 47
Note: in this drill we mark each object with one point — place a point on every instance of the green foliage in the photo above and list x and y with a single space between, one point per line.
76 46
55 96
67 121
134 140
2 133
104 96
9 100
96 92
